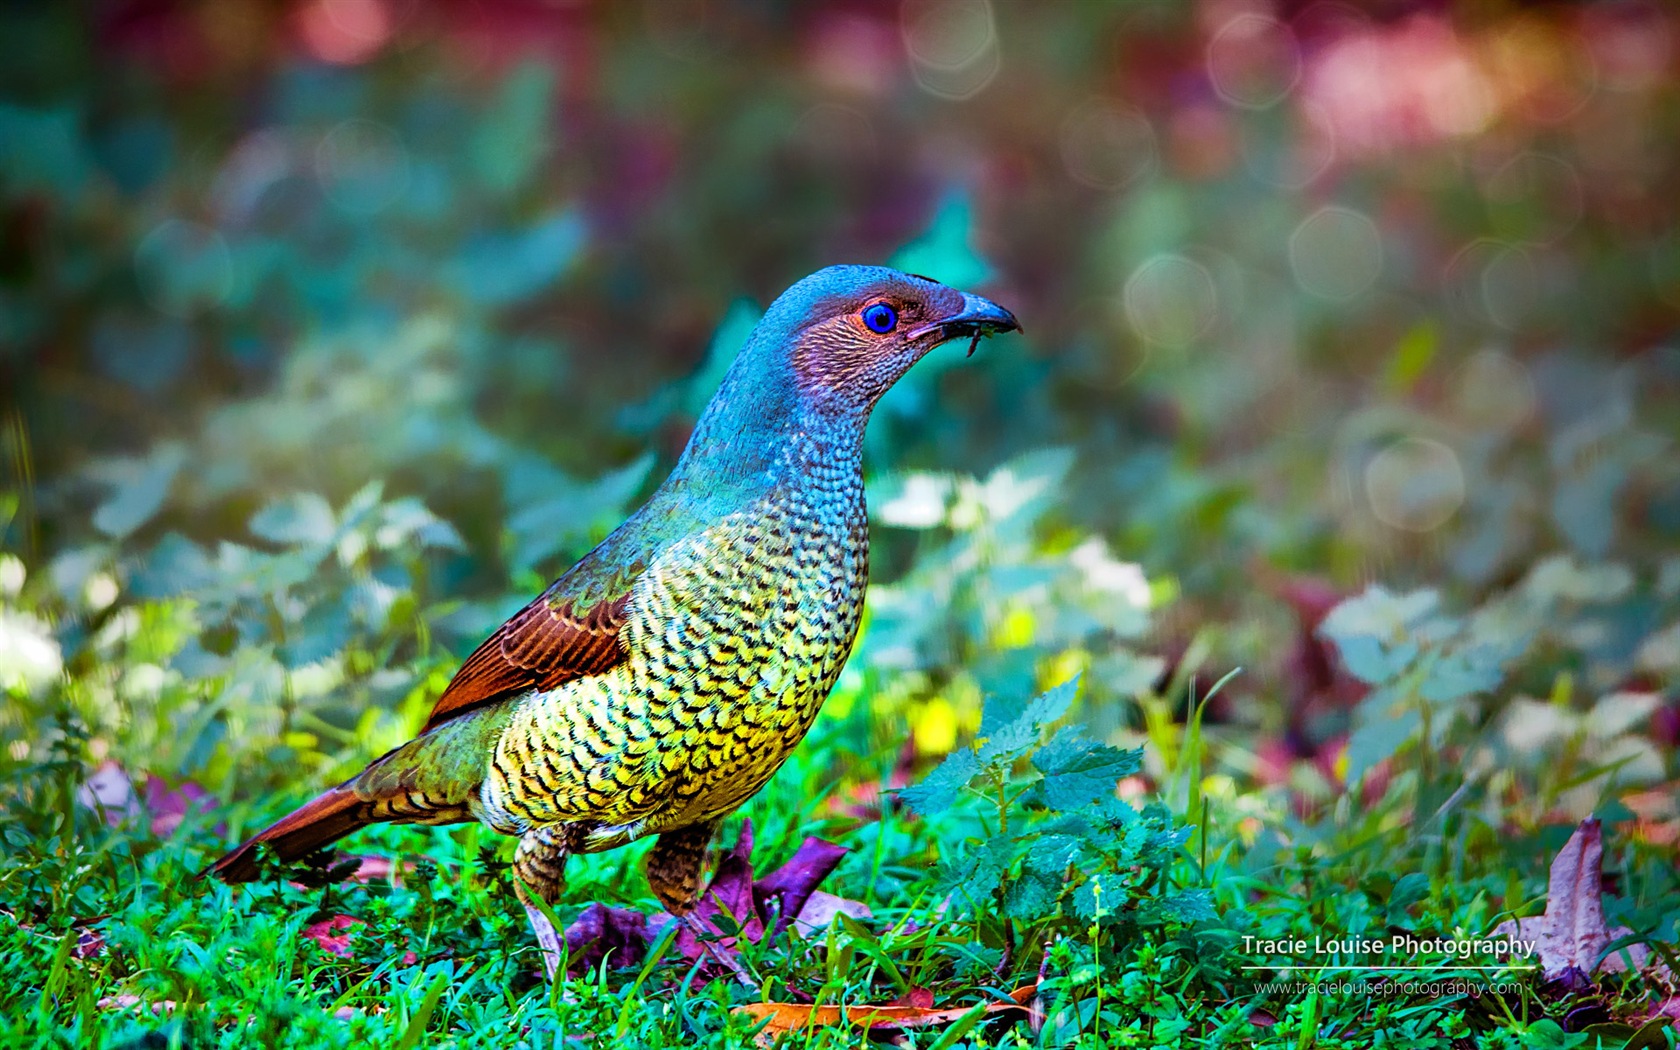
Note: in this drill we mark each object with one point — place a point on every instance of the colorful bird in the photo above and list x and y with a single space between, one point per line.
662 680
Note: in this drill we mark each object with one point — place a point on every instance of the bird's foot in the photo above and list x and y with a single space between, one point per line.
548 939
724 957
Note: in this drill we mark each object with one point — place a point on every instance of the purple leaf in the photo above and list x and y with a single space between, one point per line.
729 895
792 884
600 930
168 807
109 791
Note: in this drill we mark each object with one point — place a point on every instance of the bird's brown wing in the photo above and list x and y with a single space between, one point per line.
549 642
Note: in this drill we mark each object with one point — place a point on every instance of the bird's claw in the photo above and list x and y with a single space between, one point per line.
548 939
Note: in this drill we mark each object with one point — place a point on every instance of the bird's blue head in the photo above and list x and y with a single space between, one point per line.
822 356
846 334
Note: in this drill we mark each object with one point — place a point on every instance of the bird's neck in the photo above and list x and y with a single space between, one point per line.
754 435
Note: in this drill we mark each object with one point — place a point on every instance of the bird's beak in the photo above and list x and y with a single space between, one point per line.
978 317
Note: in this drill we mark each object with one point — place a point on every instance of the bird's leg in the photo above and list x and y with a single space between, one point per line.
673 869
540 864
674 865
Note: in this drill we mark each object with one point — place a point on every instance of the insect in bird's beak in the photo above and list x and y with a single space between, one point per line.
977 319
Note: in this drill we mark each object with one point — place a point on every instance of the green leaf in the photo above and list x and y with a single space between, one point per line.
1052 854
1078 771
1008 731
295 520
1032 895
1373 663
516 131
140 487
940 789
1186 906
1378 735
1105 891
1408 890
974 877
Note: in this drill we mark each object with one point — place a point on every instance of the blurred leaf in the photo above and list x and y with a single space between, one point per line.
408 520
1412 357
295 520
141 486
41 150
1583 507
553 512
945 252
1372 662
727 341
506 267
1378 734
1561 577
912 501
1461 674
174 565
516 132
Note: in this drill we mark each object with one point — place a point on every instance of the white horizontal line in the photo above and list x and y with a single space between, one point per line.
1442 968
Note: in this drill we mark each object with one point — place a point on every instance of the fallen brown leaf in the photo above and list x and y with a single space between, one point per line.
821 908
794 1017
1573 933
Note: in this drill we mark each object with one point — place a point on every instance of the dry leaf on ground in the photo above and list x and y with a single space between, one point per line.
1573 933
794 1017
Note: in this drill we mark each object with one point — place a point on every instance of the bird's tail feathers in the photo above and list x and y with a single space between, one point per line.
432 779
316 824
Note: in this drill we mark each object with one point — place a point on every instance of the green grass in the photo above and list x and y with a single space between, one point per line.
209 965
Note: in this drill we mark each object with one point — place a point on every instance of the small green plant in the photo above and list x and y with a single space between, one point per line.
1049 870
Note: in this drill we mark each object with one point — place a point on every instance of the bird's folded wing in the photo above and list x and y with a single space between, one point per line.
549 642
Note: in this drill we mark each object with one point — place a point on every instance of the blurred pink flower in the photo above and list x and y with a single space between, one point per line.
1382 88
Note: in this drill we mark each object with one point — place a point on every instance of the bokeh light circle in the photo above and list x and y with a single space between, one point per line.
1493 391
1170 300
1106 145
1510 287
952 45
1336 253
363 166
183 267
1253 62
1415 484
345 32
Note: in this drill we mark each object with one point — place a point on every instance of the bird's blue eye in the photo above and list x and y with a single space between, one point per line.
880 318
